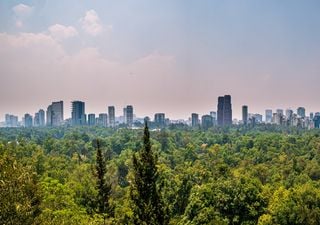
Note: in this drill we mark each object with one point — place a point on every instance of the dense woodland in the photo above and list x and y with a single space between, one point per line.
93 175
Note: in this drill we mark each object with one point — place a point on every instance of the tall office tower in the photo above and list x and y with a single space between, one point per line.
206 122
160 119
49 115
91 119
7 120
224 111
311 116
301 111
11 120
103 119
280 112
78 115
41 118
289 114
129 115
195 120
316 121
112 117
36 119
268 116
245 114
214 117
227 111
28 121
55 114
220 110
124 117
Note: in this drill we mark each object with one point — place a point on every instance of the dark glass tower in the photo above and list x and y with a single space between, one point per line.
78 113
245 114
224 111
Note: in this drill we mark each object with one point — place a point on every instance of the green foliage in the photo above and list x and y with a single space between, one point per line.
237 175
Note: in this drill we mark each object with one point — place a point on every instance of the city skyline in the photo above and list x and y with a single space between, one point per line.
79 115
161 56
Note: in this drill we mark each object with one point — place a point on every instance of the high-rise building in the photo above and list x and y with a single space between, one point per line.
268 116
280 112
78 115
206 122
55 114
316 121
11 120
214 117
289 114
160 119
301 111
129 115
42 121
112 118
91 119
39 118
311 116
195 120
103 119
224 111
28 121
245 114
49 115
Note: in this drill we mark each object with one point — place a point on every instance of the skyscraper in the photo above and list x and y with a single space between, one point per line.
224 111
91 119
78 115
103 119
129 115
11 120
268 116
55 114
41 118
195 120
28 121
301 111
206 122
112 119
160 119
214 117
220 110
245 114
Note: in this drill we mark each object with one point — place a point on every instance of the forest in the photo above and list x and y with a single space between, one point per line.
92 175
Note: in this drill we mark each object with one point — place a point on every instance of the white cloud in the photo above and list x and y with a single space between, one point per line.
91 23
61 32
22 10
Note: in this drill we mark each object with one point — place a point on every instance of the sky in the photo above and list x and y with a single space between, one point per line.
171 56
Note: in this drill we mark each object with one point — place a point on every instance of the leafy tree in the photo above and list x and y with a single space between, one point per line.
147 203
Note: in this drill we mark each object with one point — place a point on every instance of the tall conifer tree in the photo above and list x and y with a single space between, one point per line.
104 188
148 207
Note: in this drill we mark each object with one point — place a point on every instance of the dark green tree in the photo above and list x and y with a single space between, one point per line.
147 203
104 188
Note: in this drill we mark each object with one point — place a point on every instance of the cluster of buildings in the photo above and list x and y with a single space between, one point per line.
54 116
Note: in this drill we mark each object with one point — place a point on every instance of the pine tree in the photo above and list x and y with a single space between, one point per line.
104 188
148 207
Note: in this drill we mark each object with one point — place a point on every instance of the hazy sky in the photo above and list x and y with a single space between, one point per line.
172 56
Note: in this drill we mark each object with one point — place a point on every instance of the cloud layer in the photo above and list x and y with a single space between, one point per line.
91 23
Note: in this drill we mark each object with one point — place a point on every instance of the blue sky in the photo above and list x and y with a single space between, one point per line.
172 56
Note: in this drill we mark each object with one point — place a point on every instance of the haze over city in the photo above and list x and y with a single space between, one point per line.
166 56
